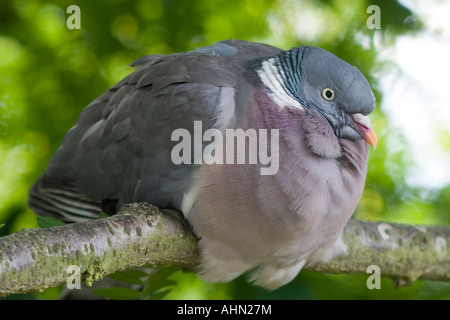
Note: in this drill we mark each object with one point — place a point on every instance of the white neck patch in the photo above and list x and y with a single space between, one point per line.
273 78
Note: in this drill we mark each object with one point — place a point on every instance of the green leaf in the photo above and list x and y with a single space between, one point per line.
157 285
48 222
158 296
160 273
157 280
103 215
129 276
2 225
118 293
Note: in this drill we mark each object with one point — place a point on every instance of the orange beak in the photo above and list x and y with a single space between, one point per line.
365 127
371 138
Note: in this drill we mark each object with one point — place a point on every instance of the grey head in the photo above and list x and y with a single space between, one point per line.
320 81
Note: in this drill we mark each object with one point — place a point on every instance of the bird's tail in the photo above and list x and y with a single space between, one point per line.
65 204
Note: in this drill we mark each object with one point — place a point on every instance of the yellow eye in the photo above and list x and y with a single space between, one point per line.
328 94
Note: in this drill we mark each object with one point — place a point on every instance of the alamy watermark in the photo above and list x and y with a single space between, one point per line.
374 281
374 20
74 277
74 20
228 148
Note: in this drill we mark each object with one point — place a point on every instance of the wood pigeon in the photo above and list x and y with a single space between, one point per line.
304 109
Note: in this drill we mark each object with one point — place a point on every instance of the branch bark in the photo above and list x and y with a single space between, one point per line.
141 235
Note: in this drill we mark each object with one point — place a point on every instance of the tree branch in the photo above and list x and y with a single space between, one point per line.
141 235
404 253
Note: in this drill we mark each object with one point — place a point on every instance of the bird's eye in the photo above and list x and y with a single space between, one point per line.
328 94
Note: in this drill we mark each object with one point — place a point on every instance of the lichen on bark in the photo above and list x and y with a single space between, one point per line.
139 235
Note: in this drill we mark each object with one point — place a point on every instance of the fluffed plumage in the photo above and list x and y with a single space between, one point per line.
120 151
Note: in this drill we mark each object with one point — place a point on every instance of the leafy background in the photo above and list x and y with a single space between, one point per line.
49 73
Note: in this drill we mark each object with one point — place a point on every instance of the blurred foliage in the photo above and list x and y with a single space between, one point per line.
49 73
149 284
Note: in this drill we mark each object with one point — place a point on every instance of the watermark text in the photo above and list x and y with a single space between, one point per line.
236 146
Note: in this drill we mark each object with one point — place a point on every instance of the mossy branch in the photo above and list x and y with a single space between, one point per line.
141 235
404 253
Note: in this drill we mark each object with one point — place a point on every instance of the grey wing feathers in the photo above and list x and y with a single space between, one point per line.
242 50
119 149
62 204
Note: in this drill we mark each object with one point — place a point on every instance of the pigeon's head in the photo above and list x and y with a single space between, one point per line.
314 78
339 92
